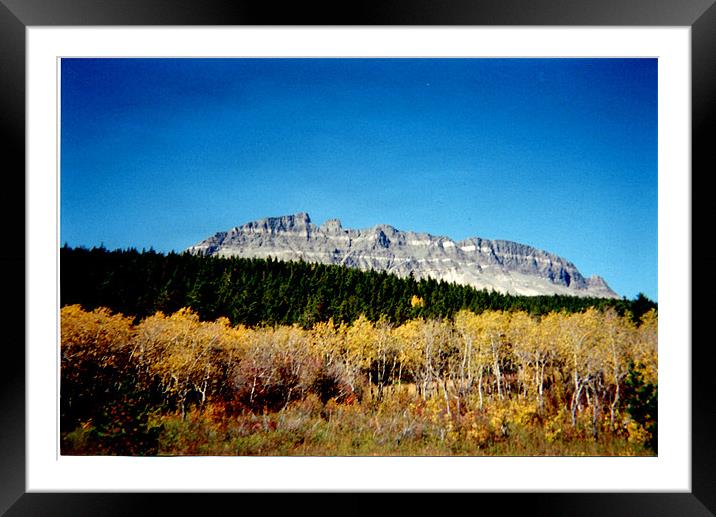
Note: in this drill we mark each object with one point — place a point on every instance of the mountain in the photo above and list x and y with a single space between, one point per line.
505 266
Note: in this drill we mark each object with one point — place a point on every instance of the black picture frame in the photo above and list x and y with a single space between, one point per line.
16 15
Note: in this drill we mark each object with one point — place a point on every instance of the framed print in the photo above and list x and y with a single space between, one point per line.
72 69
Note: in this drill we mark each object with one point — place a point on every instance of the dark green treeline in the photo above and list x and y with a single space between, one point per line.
256 291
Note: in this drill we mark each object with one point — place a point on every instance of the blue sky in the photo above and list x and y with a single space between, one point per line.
560 154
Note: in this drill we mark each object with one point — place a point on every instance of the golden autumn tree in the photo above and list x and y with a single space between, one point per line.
618 338
182 352
360 340
101 389
574 336
384 355
474 354
332 377
524 336
410 354
493 326
99 336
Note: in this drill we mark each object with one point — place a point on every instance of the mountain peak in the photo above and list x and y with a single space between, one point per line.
332 226
302 216
283 223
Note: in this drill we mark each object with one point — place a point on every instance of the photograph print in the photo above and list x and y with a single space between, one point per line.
358 257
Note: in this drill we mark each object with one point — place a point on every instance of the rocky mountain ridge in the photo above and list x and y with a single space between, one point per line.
504 266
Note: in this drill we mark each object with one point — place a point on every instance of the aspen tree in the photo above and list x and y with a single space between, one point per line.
474 353
493 329
360 342
410 353
618 336
576 337
522 333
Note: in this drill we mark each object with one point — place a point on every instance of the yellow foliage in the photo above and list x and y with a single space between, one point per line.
636 433
480 434
98 335
495 363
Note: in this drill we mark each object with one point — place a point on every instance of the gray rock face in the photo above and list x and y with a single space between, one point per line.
504 266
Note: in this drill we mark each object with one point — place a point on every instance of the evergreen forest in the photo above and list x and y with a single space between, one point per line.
267 291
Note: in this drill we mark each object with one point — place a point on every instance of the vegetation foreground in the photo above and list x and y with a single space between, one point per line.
493 383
